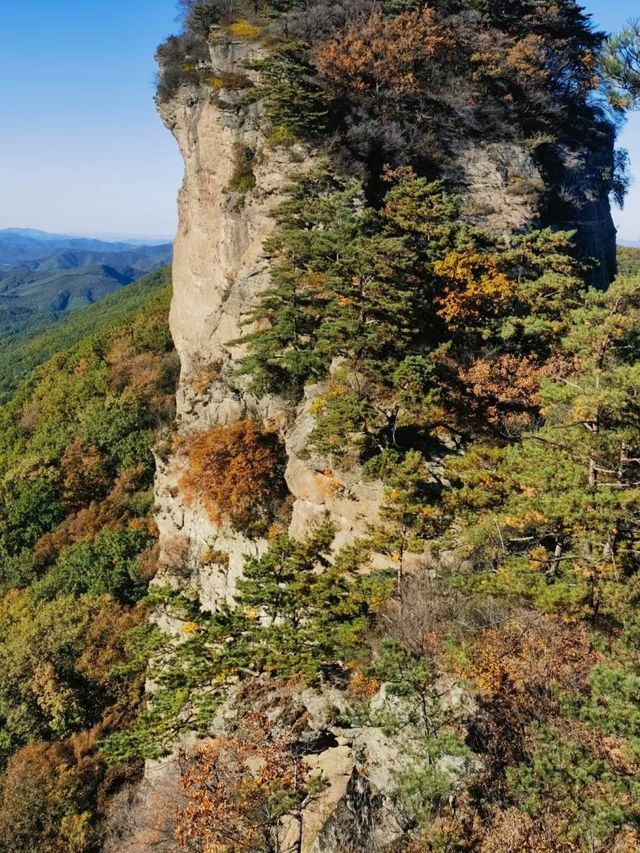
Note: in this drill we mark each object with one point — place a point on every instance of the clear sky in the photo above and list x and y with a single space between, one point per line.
81 148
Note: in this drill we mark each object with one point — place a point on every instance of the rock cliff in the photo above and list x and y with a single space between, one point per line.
220 268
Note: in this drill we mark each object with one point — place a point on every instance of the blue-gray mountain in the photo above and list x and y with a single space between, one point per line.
22 244
43 276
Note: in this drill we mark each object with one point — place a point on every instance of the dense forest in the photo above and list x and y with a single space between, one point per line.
21 354
77 544
479 377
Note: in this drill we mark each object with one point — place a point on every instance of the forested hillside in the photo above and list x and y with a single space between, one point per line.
77 552
21 354
628 260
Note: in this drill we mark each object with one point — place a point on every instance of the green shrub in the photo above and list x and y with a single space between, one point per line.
108 566
243 178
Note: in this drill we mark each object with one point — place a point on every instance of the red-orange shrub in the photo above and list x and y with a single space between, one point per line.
84 476
237 473
397 54
239 790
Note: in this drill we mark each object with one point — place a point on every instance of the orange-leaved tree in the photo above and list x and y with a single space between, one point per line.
244 793
237 473
398 54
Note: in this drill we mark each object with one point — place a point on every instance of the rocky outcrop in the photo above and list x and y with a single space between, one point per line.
500 185
579 178
220 269
508 187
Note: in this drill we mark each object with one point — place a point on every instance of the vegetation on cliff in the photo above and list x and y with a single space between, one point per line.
388 85
489 388
476 376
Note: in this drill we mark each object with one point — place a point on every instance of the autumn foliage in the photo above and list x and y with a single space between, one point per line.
237 473
470 373
532 655
502 393
76 516
473 287
239 789
394 54
46 796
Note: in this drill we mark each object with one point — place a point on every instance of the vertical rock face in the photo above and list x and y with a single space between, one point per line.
507 187
220 268
579 201
218 261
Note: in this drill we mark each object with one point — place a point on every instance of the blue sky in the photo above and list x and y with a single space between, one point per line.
81 148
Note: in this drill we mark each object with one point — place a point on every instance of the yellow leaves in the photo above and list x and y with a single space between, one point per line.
317 406
245 30
529 655
190 628
538 557
213 555
55 699
585 410
316 283
334 391
597 573
474 288
362 688
526 521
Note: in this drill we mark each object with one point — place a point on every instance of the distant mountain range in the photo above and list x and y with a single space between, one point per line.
21 244
44 276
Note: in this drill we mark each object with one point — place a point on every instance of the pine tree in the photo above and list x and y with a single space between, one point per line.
553 516
620 66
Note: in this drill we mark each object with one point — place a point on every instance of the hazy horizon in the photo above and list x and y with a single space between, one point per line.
109 237
83 151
